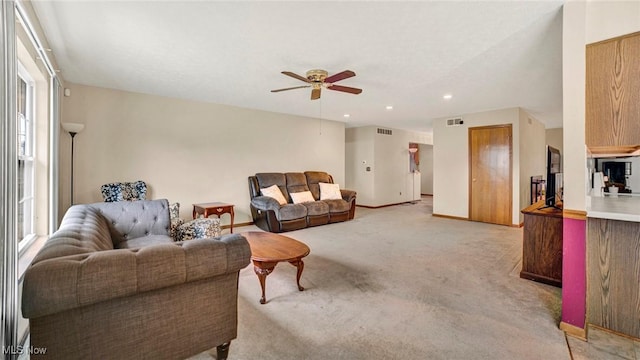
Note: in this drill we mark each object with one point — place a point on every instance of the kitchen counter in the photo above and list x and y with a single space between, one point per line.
623 207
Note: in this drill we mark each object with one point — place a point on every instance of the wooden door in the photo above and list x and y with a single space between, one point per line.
490 185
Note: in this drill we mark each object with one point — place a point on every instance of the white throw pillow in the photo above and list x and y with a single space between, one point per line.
302 197
330 191
273 191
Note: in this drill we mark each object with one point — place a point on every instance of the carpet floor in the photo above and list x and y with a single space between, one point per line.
397 283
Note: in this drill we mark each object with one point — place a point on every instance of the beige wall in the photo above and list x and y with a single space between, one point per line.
554 138
532 156
188 151
426 169
389 181
451 160
359 156
585 23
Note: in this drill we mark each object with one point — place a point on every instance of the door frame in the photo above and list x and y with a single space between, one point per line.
470 179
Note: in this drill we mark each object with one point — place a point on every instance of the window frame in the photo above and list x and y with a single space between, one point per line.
28 157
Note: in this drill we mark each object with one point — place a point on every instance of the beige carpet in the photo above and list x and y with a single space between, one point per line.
397 283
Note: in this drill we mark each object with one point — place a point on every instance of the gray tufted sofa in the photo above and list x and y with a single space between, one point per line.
269 215
112 284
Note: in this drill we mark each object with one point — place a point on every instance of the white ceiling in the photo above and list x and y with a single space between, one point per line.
487 54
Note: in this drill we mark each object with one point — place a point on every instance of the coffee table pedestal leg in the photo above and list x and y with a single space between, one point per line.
300 265
262 270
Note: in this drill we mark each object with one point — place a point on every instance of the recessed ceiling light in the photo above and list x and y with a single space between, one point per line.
447 96
389 107
347 115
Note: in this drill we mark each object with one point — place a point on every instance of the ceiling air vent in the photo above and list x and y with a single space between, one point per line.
455 122
385 131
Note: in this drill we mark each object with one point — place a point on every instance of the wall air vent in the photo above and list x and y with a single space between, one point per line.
385 131
455 122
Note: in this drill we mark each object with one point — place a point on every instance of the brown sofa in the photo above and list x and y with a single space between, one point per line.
112 284
269 215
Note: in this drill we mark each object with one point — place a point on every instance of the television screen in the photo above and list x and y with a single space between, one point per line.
553 168
554 160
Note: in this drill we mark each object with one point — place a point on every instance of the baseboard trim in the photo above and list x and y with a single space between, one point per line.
450 217
574 214
517 225
614 332
237 225
573 331
383 206
426 194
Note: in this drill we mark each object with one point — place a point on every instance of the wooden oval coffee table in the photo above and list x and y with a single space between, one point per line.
268 249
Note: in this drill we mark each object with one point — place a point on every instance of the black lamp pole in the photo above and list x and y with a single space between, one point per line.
73 135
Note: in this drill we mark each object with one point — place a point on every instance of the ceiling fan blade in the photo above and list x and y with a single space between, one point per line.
291 88
315 94
296 76
340 76
346 89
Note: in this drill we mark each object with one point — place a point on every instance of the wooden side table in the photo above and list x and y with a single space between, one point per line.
214 208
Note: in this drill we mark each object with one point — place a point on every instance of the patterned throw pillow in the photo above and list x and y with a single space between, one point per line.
198 229
174 210
302 197
124 191
273 191
329 191
174 215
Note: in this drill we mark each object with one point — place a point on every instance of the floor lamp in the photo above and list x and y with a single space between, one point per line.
72 129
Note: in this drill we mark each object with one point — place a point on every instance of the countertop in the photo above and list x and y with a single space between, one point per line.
623 207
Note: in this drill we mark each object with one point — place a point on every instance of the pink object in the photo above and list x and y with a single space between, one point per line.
574 272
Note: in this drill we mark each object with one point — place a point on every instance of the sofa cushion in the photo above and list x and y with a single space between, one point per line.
130 220
315 177
267 179
301 197
329 191
143 241
291 212
274 192
317 208
336 206
296 182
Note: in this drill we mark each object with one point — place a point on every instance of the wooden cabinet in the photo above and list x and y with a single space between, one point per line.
613 270
613 95
542 244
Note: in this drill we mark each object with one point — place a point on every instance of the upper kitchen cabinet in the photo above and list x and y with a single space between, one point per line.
613 95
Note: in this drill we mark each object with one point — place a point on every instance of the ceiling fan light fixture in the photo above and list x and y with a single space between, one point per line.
389 107
317 79
447 96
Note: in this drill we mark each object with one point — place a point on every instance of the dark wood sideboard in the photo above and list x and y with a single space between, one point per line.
542 244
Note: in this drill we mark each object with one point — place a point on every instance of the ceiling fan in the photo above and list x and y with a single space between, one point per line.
317 79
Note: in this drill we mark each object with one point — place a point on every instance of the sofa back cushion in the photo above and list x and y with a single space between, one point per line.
266 180
296 182
130 220
315 177
82 230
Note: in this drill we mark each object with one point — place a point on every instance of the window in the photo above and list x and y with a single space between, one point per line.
26 175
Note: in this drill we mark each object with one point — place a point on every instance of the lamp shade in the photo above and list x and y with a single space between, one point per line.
73 127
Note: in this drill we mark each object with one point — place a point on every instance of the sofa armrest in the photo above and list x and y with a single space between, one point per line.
60 284
348 195
265 203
